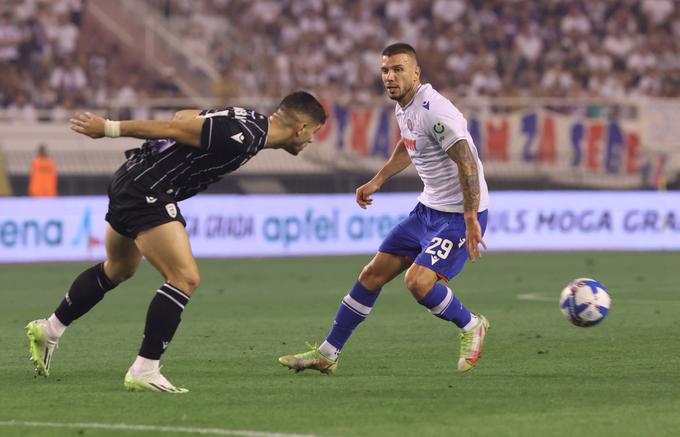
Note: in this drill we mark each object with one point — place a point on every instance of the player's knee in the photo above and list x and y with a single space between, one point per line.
371 277
119 272
188 282
417 284
124 275
194 281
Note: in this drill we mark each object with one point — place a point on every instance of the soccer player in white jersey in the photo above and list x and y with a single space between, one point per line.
441 233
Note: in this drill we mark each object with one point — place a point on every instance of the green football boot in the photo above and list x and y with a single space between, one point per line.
312 359
471 344
151 380
40 347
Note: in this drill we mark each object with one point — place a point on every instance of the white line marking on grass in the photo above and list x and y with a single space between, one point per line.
538 298
126 427
534 296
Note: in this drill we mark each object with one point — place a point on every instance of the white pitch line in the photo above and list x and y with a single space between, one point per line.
534 296
538 298
126 427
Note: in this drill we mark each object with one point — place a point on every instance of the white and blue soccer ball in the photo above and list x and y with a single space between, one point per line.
585 302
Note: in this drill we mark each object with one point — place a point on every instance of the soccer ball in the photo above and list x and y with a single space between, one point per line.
585 302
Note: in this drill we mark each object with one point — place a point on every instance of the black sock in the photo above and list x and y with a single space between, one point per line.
85 292
162 320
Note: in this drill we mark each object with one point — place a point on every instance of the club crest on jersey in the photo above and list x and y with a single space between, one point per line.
409 124
171 209
438 128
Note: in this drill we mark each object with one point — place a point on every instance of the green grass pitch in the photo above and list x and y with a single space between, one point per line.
539 376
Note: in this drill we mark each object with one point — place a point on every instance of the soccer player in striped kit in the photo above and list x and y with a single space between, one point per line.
179 159
441 233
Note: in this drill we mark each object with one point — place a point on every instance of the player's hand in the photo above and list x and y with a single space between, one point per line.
87 123
473 238
364 192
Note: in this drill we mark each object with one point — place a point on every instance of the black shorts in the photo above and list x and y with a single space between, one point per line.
132 209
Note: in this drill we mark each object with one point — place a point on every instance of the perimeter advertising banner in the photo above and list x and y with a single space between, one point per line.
73 228
571 149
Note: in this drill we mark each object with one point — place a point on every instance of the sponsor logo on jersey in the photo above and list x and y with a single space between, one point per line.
461 242
240 113
426 104
171 209
438 128
409 143
151 199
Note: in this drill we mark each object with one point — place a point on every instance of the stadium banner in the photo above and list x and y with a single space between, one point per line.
570 149
73 228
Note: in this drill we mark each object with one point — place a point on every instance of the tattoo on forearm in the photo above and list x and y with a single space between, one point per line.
467 172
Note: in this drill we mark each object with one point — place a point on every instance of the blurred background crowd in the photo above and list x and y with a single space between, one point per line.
556 48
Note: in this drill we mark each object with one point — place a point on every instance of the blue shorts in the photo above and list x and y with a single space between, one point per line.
432 239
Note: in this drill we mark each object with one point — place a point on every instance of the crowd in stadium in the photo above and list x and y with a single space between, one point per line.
608 48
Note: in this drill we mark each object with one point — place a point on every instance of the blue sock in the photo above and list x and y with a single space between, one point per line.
443 303
353 309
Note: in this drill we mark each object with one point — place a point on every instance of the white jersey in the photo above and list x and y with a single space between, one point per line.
430 125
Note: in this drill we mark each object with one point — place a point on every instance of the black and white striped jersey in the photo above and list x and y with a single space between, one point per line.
229 138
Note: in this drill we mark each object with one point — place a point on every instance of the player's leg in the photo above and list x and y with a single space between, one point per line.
168 249
443 257
353 310
87 290
395 255
423 284
442 302
358 303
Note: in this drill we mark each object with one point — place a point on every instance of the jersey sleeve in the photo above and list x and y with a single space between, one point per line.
445 124
221 133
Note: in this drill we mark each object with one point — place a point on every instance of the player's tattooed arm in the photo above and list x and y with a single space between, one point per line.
461 154
468 174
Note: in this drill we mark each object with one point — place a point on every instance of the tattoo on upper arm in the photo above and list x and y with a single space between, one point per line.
461 154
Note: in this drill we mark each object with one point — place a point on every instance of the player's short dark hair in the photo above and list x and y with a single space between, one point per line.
400 48
303 103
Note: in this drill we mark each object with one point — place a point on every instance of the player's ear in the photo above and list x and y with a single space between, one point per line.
417 72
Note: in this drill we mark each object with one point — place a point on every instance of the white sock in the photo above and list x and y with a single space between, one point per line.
329 351
471 324
55 329
144 365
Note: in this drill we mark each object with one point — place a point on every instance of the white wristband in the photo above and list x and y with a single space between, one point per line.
111 128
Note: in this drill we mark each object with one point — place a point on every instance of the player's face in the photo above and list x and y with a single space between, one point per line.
400 75
302 138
